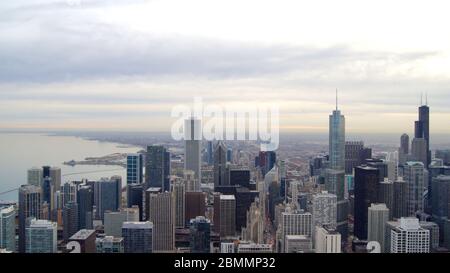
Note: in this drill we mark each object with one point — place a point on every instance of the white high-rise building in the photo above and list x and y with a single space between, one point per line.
294 223
378 216
41 236
409 237
35 176
324 209
414 177
193 146
327 240
8 228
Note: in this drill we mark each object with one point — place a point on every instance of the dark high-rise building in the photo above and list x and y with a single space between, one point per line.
422 129
444 155
210 152
404 144
366 184
380 165
107 195
47 190
85 200
433 172
29 207
352 155
220 165
244 199
157 168
440 204
137 237
239 176
386 195
70 220
365 154
135 193
400 199
200 232
195 205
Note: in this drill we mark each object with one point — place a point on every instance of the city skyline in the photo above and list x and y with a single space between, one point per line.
110 65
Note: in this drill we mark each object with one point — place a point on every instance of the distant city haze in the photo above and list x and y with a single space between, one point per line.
123 65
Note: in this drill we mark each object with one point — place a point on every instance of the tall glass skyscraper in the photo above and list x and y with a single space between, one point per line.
135 169
193 146
29 207
337 140
157 168
8 228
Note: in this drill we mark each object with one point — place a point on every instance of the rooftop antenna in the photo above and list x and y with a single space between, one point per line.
336 99
421 98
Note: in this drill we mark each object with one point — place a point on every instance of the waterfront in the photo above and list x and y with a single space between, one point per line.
21 151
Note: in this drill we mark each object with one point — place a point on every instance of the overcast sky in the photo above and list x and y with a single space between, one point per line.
123 64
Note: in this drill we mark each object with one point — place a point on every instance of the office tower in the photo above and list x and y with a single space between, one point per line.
35 176
85 200
378 216
434 233
210 152
227 214
419 150
29 207
316 165
114 220
335 184
146 202
8 228
380 165
41 236
220 165
70 220
47 190
193 146
55 175
200 231
440 209
157 168
404 144
162 215
365 154
283 178
178 189
422 130
135 194
414 177
392 169
107 195
327 240
298 244
352 155
254 248
137 237
239 176
324 209
366 184
195 204
192 183
86 239
400 208
68 193
408 237
294 223
386 195
244 199
337 140
254 229
135 168
109 244
266 161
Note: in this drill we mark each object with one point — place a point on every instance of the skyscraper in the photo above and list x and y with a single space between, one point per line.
324 209
414 177
107 195
200 231
137 237
294 223
8 228
192 183
366 184
157 168
352 155
400 207
70 219
85 200
404 144
135 168
210 152
193 146
327 240
178 189
378 216
386 195
135 194
422 129
35 176
337 139
41 236
227 214
407 236
220 164
195 205
29 207
162 215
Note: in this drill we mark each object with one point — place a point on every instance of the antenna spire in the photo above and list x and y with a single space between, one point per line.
421 98
336 99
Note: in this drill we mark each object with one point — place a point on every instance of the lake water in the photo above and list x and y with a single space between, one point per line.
21 151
